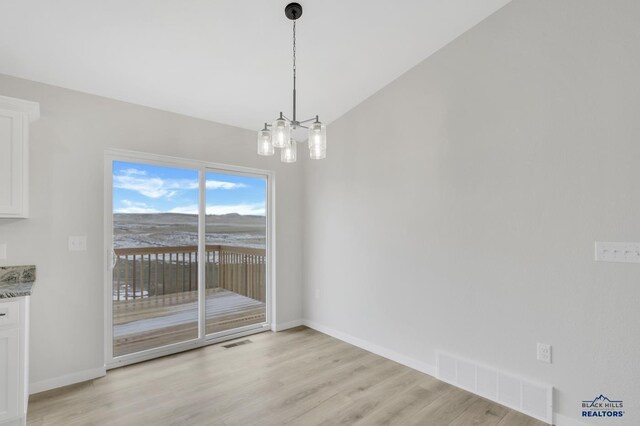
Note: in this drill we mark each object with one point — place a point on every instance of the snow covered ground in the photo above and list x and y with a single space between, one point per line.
170 230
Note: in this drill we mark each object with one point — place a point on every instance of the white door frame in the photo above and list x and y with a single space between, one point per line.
111 155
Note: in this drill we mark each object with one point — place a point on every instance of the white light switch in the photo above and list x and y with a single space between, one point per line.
618 252
3 251
78 243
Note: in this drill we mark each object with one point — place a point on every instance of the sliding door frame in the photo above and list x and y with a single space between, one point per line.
203 167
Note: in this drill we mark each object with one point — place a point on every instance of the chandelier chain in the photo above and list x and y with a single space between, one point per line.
294 70
294 52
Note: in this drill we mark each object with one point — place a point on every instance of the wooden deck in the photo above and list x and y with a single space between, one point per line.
157 321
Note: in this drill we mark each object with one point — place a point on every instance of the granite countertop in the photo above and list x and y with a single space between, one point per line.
17 281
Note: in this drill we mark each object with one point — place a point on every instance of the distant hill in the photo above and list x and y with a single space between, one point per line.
179 218
173 229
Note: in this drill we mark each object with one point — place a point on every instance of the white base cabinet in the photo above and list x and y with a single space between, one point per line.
14 356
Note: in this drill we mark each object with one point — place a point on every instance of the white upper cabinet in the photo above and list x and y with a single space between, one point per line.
15 116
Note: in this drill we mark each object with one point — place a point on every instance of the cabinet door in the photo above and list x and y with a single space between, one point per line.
13 166
9 372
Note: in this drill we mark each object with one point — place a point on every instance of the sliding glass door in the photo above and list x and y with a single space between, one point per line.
236 236
189 256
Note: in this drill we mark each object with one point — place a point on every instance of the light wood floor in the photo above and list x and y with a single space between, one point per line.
297 377
158 321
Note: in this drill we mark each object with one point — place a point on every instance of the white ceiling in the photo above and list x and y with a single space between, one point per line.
228 60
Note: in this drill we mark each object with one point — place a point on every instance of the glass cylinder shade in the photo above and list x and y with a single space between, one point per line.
317 141
265 147
288 153
280 133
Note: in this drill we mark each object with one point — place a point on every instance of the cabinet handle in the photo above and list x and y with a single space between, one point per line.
2 314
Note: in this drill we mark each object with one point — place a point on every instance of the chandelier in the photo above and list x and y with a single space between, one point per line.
280 133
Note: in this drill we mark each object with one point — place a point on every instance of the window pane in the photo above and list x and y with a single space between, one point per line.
236 237
155 238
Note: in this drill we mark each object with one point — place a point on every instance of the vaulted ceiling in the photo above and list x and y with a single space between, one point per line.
228 61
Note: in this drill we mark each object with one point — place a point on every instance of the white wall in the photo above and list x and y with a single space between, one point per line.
67 155
458 207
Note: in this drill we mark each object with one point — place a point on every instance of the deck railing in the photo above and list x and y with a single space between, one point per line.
146 272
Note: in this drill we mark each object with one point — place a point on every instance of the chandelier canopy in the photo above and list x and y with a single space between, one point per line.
279 134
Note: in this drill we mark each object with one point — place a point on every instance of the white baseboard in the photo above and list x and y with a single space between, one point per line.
559 419
286 325
423 367
69 379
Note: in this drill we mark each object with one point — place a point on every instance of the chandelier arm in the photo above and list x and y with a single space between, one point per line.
285 117
306 121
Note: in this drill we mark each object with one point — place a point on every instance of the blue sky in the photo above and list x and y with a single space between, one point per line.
142 188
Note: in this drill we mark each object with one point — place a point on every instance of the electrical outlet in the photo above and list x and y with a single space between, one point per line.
544 352
317 293
78 243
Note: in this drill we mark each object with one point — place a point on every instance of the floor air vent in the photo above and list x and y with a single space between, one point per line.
234 344
534 399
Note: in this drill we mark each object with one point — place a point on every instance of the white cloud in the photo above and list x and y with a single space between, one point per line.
133 207
218 184
152 187
155 187
193 209
242 209
132 171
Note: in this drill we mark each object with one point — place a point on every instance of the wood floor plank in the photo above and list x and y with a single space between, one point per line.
402 406
307 390
481 413
516 418
295 377
449 405
342 394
